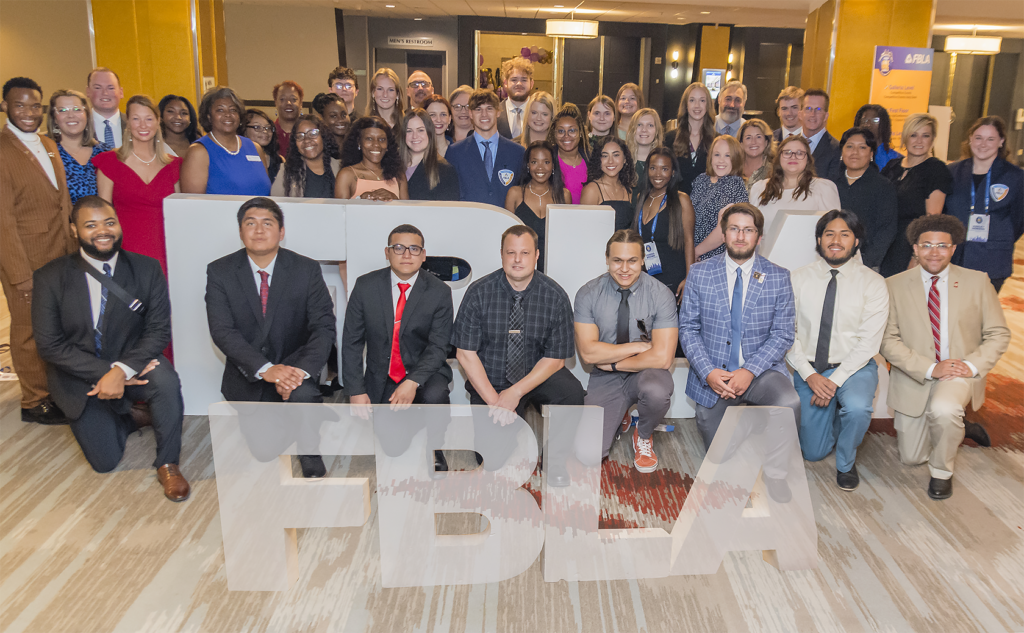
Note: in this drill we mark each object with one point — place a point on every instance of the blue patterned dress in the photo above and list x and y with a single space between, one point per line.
81 178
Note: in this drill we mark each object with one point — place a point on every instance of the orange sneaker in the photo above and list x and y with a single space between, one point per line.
627 421
643 454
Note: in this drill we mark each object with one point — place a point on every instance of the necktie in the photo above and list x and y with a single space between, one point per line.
108 134
825 329
397 370
515 357
98 334
517 122
488 159
934 315
264 289
622 323
737 322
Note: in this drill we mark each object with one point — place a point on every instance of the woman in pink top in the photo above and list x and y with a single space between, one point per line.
573 149
371 167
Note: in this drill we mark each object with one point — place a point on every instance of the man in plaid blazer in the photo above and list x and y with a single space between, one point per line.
722 373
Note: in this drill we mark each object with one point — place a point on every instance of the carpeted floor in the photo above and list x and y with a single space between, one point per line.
82 552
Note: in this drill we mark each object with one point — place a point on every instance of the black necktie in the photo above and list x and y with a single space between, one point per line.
622 324
515 357
98 334
825 330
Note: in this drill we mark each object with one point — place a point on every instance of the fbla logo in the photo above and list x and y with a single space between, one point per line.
918 58
885 61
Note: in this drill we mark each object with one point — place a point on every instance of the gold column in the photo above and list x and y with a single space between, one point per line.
714 48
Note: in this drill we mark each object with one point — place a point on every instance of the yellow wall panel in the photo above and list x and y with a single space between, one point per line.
714 47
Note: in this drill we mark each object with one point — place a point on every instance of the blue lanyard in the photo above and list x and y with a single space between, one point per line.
640 220
988 185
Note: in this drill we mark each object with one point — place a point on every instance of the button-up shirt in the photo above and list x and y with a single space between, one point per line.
858 320
99 126
650 301
493 139
96 297
786 132
510 111
269 269
730 275
732 129
943 287
396 292
813 140
34 145
482 323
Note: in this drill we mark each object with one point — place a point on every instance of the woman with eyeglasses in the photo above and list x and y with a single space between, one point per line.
462 124
334 112
756 139
643 135
178 124
539 185
308 172
695 129
429 175
259 129
792 184
988 197
70 124
628 100
440 113
387 100
611 177
602 118
566 134
922 184
714 191
875 119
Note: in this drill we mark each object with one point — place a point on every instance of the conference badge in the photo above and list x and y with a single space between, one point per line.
998 192
505 176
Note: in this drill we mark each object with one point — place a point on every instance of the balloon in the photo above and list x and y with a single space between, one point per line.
533 49
481 60
543 52
534 57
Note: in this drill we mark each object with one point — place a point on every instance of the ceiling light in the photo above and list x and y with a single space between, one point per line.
973 44
577 10
968 27
417 19
705 13
389 6
571 29
559 6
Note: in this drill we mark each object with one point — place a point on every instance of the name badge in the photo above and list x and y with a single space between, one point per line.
652 261
252 159
977 227
505 176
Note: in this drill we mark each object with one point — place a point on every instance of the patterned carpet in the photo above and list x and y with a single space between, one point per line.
88 553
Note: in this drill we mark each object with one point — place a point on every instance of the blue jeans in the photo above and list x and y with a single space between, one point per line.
841 424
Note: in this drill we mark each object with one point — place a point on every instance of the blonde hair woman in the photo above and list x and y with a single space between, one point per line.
540 113
386 97
695 129
628 100
70 124
643 135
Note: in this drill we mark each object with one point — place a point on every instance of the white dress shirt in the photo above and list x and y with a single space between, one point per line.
96 295
943 288
34 145
510 111
858 321
269 269
813 140
730 275
786 132
99 125
396 293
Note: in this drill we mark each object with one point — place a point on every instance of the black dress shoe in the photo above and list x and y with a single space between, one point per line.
312 466
940 488
976 432
45 412
778 489
440 465
848 481
558 477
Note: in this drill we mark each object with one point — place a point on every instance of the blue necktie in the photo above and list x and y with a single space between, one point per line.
737 322
108 134
488 159
98 334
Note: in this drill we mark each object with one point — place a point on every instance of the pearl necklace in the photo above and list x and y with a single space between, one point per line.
849 177
234 153
144 162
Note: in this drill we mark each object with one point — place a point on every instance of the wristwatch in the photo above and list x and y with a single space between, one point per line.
613 367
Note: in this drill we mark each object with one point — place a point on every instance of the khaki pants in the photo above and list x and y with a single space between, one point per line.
30 368
935 436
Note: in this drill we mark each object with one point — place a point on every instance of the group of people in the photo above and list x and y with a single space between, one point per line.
721 178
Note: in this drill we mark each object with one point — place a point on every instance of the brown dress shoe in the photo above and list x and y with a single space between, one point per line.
141 415
174 483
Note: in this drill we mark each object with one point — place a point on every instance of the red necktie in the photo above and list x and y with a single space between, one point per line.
264 289
397 370
933 314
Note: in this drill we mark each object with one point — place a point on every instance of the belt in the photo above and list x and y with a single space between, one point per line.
829 366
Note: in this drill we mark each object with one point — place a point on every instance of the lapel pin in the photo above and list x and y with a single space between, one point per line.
759 277
956 284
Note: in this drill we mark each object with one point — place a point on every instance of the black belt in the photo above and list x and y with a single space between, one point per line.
829 366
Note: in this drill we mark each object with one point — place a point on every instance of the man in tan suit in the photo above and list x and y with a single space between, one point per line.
35 214
945 331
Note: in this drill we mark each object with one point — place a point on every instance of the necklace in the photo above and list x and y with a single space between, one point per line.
375 174
144 162
540 196
849 177
234 153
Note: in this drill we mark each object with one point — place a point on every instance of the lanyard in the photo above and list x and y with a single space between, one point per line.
988 185
640 220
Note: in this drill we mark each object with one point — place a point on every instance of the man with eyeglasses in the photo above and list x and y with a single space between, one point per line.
35 211
402 317
730 108
487 162
626 327
272 317
517 80
736 324
419 88
824 146
787 107
945 332
343 82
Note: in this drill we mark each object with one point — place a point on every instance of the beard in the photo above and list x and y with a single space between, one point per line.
839 261
96 253
740 255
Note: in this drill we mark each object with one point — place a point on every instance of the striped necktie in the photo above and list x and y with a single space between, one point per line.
98 333
934 306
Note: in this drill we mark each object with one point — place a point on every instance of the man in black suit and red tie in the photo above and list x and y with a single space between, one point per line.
402 317
272 316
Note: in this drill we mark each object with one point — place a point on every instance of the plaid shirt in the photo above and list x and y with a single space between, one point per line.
482 323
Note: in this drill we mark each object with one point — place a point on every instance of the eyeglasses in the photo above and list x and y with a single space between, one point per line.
420 84
460 108
399 249
75 109
259 128
311 134
567 132
810 110
794 153
747 231
344 85
927 246
873 119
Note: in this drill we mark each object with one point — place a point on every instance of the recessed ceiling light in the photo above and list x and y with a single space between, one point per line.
417 19
705 13
390 6
559 6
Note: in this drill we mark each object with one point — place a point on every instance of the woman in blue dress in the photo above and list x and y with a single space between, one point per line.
70 124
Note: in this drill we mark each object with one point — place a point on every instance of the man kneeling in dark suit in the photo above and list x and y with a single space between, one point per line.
104 354
404 321
271 315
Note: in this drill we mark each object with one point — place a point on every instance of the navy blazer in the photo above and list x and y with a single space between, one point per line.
827 157
474 183
1006 223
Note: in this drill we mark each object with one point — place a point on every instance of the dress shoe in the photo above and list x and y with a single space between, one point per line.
312 466
440 466
558 477
976 432
175 486
940 488
848 481
778 489
45 412
141 415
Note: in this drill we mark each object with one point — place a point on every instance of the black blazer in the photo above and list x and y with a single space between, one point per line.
447 188
689 168
298 330
423 336
827 157
64 333
504 126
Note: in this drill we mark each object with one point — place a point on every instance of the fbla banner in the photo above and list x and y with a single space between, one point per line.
900 82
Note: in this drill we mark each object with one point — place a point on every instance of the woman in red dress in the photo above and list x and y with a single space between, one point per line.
137 177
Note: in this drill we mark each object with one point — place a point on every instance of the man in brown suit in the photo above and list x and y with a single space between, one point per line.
945 331
35 212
